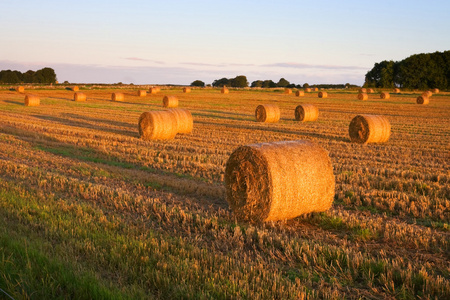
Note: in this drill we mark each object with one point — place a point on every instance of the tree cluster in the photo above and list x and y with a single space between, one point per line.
239 82
419 71
198 83
45 75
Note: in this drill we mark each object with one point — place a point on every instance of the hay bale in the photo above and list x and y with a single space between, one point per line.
435 91
142 93
423 100
157 125
154 90
186 90
117 97
385 95
75 88
397 90
31 100
20 89
287 91
363 96
323 94
362 90
299 93
427 94
365 129
268 113
170 101
316 89
279 180
224 90
79 96
369 91
185 122
308 90
306 112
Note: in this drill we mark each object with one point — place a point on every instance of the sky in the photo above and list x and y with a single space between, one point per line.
177 42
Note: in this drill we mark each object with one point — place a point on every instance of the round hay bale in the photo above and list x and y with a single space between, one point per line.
365 129
20 89
279 180
299 93
170 101
75 88
268 113
117 97
79 96
157 125
423 100
153 90
385 95
31 100
323 94
362 90
224 90
308 90
185 122
427 94
397 90
363 96
435 91
316 89
306 112
142 93
369 91
287 91
186 90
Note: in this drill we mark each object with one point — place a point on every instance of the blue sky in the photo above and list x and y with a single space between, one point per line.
158 42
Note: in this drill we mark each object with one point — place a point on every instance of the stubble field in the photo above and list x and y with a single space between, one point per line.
89 210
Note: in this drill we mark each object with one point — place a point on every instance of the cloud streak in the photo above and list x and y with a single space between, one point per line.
312 66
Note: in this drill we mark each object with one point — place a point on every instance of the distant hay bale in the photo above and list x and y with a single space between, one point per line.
185 122
154 90
170 101
299 93
308 90
224 90
306 112
363 96
279 180
31 100
75 88
20 89
268 113
316 89
142 93
79 96
287 91
385 95
186 90
435 91
364 129
396 90
323 94
427 94
362 90
157 125
423 100
369 91
117 97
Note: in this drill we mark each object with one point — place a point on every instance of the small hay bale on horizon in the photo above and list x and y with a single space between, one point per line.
75 88
364 129
362 90
153 90
142 93
186 90
224 90
369 90
396 90
299 93
267 113
427 94
32 100
322 95
117 97
78 96
308 90
170 101
20 89
185 122
157 125
363 96
306 112
435 91
385 95
424 100
287 91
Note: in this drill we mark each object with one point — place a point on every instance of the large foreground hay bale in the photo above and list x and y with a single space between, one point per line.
427 94
75 88
287 91
397 90
224 90
117 97
79 96
185 122
323 94
363 96
306 112
268 113
279 180
365 129
31 100
142 93
385 95
299 93
186 90
157 125
362 90
20 89
423 100
435 91
308 90
170 101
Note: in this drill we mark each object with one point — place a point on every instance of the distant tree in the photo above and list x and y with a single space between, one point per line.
269 84
9 76
221 82
28 76
291 85
198 83
305 85
257 83
282 82
239 81
45 75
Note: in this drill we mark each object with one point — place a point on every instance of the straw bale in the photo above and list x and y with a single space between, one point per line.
224 90
423 100
316 89
363 96
154 90
279 180
31 100
308 90
79 96
170 101
427 94
306 112
157 125
323 94
362 90
287 91
365 129
385 95
117 97
397 90
369 91
268 113
142 93
186 90
435 91
75 88
185 122
20 89
299 93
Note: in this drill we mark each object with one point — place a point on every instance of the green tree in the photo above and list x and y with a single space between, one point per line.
269 84
9 76
221 82
198 83
239 81
282 82
305 85
257 83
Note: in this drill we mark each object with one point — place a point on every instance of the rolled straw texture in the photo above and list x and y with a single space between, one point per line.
142 93
153 90
363 96
186 90
365 129
369 90
268 113
279 180
31 100
385 95
427 94
79 96
396 90
435 91
20 89
170 101
323 94
117 97
306 112
185 122
157 125
299 93
423 100
224 90
75 88
308 90
288 91
362 90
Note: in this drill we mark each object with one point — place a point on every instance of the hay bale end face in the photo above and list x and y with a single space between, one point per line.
157 125
224 90
364 129
20 89
268 113
117 97
170 101
142 93
186 90
31 100
424 100
323 95
185 122
363 96
306 112
279 180
288 91
299 93
79 96
385 95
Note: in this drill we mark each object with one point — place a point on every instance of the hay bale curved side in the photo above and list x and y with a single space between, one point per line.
362 90
186 90
385 95
268 113
142 93
322 94
396 90
32 100
170 101
20 89
363 96
157 125
154 90
306 112
364 129
423 100
299 93
117 97
287 91
369 91
185 122
79 96
435 91
75 88
427 94
279 180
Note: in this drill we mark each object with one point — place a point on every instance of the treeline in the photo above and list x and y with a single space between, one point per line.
45 75
419 71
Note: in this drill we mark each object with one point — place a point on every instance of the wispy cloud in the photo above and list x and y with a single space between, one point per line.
202 64
312 66
145 60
